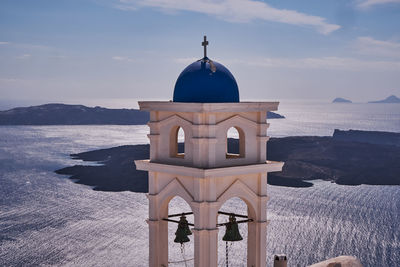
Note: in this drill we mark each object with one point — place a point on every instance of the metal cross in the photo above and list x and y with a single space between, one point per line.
205 43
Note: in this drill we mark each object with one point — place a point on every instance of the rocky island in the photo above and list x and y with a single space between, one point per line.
389 99
62 114
341 100
347 157
342 158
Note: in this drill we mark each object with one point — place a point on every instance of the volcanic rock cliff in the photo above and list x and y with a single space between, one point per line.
337 159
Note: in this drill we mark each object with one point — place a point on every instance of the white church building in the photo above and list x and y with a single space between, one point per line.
205 174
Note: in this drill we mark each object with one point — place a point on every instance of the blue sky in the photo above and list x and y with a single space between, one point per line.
107 52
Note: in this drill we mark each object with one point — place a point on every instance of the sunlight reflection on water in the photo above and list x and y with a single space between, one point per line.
46 219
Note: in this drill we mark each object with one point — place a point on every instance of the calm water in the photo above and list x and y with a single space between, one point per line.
314 118
46 219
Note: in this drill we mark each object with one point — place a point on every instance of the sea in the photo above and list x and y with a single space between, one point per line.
47 219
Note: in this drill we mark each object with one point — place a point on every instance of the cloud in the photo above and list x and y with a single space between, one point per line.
125 7
326 63
58 56
235 11
119 58
32 47
8 80
24 56
369 3
369 46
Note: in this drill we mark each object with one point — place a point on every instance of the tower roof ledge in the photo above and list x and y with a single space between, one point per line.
268 166
207 107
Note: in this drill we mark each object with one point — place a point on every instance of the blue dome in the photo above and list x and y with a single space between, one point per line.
206 81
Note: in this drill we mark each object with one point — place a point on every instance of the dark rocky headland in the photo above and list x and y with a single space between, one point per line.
62 114
348 158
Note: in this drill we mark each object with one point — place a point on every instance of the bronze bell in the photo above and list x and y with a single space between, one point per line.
232 230
185 222
181 234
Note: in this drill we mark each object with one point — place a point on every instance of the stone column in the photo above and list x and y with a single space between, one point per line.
257 244
158 228
257 230
205 230
205 247
158 243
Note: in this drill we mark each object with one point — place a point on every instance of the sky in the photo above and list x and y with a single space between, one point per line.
114 52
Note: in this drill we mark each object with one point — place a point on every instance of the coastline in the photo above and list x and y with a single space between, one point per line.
55 210
340 159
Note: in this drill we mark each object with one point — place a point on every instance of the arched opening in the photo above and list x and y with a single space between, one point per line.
181 141
235 143
177 142
237 251
177 254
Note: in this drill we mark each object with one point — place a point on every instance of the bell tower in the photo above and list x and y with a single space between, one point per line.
206 105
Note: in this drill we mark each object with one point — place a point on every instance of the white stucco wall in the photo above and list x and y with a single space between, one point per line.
205 177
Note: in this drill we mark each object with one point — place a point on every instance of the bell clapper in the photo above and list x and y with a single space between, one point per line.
183 253
226 255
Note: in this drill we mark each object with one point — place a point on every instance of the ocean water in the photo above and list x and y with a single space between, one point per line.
316 118
48 220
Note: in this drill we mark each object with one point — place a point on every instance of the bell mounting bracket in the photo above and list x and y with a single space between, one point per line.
218 224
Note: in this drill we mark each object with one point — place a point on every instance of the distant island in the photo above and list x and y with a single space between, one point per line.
347 157
62 114
341 100
389 99
273 115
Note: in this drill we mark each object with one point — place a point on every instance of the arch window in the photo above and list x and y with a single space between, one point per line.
235 143
176 256
177 142
237 250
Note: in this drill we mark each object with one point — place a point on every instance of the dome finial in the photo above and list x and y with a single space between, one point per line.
205 43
